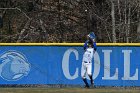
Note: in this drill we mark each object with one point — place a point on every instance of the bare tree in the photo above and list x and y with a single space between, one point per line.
69 20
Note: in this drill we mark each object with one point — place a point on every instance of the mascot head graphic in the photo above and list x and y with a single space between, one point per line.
13 66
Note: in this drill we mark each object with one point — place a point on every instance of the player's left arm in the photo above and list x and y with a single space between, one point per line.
94 46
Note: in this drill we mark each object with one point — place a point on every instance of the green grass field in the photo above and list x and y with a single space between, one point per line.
67 90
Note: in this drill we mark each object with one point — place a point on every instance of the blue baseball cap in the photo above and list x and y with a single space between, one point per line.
91 35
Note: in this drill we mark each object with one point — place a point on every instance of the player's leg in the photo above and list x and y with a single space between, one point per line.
83 74
91 80
89 72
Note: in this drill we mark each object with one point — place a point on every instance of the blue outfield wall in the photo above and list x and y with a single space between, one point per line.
112 65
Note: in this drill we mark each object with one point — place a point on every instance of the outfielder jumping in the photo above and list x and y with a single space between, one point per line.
90 48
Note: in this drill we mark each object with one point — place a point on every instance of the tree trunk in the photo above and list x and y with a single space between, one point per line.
44 34
128 25
113 22
120 21
138 28
138 32
21 35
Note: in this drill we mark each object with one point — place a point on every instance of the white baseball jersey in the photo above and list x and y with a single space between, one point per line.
88 55
87 62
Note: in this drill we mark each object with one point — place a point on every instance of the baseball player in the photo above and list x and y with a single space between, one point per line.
90 48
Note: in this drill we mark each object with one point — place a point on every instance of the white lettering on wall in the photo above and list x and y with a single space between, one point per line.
127 67
65 64
107 75
107 67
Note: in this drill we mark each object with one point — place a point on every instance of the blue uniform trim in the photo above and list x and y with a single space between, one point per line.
86 45
94 45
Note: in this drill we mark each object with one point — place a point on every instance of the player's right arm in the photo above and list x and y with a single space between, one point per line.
86 45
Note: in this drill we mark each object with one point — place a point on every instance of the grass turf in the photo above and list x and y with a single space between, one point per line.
67 90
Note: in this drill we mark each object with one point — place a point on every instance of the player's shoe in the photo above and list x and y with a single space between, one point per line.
86 83
92 85
87 86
